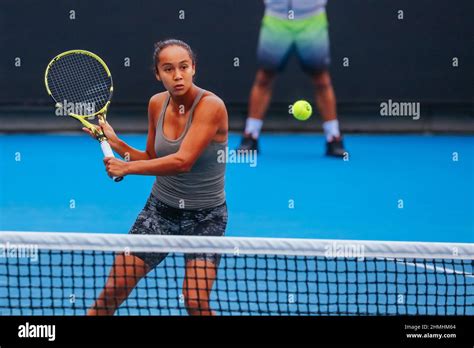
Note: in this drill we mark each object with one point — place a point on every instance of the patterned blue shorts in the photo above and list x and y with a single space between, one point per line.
308 38
162 219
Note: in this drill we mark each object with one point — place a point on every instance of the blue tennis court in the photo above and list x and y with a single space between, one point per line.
394 187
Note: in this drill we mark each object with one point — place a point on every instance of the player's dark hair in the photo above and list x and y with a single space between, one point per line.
161 45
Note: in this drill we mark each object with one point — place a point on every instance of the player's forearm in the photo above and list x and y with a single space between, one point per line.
127 152
168 165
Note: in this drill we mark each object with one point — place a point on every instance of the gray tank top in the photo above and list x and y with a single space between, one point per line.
203 186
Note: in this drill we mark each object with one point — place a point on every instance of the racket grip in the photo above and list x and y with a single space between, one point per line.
107 150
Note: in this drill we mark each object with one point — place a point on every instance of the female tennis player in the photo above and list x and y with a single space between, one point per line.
187 126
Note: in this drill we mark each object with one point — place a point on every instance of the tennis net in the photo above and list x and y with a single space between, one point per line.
64 274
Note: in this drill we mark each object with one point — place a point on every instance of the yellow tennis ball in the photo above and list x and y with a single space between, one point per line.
302 110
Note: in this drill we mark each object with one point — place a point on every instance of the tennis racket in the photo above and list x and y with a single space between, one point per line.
81 85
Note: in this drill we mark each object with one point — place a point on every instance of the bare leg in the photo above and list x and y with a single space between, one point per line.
326 103
126 272
261 94
197 286
324 95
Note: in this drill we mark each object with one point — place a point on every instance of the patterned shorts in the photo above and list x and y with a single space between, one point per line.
162 219
308 38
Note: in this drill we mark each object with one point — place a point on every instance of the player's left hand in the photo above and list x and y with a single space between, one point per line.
116 167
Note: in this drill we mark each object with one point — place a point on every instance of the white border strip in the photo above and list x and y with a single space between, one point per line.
236 245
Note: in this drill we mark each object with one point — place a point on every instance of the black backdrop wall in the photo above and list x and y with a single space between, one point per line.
409 59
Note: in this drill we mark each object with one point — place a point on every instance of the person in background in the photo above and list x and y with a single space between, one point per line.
300 26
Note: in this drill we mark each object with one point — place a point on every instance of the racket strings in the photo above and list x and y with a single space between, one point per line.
81 80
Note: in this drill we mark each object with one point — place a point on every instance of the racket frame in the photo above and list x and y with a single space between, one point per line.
101 114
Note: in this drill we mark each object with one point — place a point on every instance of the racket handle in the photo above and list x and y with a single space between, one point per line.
107 150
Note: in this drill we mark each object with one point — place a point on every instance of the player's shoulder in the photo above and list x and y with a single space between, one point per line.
211 104
155 105
210 99
158 98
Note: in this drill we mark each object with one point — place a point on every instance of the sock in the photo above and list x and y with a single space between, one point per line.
331 129
253 126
